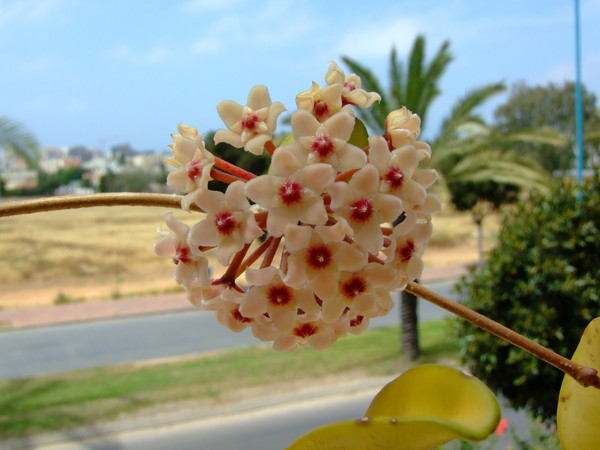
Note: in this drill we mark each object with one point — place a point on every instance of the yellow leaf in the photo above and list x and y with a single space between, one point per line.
424 407
578 414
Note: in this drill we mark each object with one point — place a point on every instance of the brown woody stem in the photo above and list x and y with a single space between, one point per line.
586 376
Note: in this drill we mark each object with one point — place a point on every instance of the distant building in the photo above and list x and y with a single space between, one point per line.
122 152
19 179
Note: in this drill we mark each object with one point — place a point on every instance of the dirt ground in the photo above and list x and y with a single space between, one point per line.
89 255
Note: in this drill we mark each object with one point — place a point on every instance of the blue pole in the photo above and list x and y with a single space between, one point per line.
578 102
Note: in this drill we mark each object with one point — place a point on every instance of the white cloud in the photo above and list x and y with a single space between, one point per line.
28 11
210 44
376 40
41 64
270 26
200 6
156 54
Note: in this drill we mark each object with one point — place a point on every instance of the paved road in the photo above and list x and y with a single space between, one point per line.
36 351
273 428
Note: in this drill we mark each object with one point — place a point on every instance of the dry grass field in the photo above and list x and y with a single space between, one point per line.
106 253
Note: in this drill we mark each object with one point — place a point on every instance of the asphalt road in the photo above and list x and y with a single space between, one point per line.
272 428
36 351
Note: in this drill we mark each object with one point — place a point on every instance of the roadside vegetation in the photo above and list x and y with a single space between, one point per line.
48 403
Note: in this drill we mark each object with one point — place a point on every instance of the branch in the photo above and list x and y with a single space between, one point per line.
586 376
87 201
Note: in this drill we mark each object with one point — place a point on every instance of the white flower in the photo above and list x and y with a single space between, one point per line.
229 223
351 87
292 198
192 161
269 295
326 142
318 255
399 173
191 264
321 103
360 203
406 248
402 127
249 126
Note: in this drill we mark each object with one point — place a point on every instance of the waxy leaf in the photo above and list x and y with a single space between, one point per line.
578 414
360 135
425 407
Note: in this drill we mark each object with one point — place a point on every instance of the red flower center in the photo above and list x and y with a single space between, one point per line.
249 121
407 251
395 177
361 210
354 287
225 223
194 169
182 254
322 146
349 86
319 256
305 330
237 315
290 192
356 321
279 295
320 109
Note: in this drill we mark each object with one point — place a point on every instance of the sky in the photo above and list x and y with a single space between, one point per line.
105 72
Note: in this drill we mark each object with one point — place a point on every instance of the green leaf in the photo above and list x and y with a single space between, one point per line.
360 135
424 407
578 413
288 140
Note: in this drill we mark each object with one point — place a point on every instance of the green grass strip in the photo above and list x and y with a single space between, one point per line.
84 397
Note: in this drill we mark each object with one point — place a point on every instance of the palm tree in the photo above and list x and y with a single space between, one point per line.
19 142
415 87
466 150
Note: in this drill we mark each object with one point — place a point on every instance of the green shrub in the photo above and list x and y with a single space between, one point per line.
542 281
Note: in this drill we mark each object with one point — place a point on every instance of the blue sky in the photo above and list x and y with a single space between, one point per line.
105 72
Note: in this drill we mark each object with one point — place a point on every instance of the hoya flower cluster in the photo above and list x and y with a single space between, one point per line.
309 248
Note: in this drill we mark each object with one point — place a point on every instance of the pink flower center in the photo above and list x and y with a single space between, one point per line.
290 192
407 251
361 210
279 295
319 256
320 109
237 315
305 330
182 255
194 169
249 121
349 86
225 223
395 177
322 146
354 287
356 321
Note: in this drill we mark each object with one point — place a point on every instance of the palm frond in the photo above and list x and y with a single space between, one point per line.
19 142
462 111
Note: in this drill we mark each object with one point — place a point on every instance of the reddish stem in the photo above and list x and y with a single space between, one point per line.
225 177
270 147
271 253
233 169
346 175
254 256
230 275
